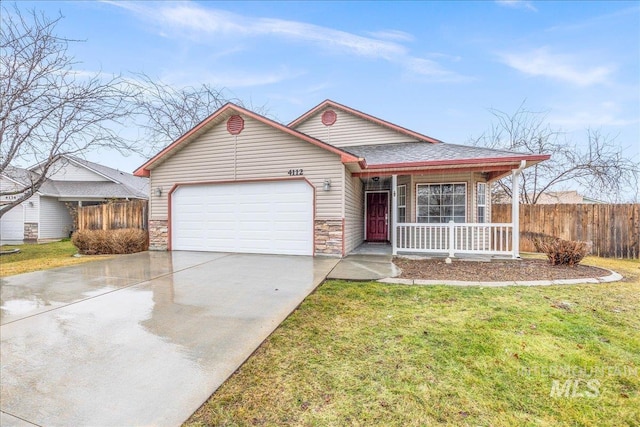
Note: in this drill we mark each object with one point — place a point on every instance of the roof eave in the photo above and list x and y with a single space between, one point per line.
531 160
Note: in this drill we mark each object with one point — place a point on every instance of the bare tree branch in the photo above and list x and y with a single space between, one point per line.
48 109
601 170
165 112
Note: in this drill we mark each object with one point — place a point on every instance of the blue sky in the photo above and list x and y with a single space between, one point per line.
434 67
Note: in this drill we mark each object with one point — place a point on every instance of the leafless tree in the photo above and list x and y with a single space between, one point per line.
165 112
600 169
48 108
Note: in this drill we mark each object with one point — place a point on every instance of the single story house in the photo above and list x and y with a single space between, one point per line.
330 180
71 182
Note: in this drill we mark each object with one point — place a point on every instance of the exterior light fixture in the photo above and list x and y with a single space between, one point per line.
158 191
327 185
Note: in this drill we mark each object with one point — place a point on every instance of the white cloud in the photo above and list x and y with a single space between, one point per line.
567 68
395 35
518 4
232 79
433 70
605 114
210 25
203 24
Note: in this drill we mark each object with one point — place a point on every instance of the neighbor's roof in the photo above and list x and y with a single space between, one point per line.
122 185
89 189
412 154
373 119
19 175
136 186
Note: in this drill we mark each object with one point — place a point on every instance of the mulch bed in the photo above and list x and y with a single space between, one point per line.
493 271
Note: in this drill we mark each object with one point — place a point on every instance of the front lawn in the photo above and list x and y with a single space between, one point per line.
393 355
34 257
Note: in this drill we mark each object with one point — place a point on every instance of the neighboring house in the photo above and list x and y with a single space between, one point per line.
330 180
571 197
71 182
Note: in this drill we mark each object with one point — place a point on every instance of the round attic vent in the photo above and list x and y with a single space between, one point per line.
329 117
235 124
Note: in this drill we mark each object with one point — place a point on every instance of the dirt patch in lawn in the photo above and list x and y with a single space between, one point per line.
493 271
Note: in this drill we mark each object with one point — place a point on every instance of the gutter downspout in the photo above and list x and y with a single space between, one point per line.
515 208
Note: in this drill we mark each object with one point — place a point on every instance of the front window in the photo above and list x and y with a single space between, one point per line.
402 203
441 203
482 202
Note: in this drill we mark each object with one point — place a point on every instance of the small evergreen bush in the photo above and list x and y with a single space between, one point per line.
562 252
102 242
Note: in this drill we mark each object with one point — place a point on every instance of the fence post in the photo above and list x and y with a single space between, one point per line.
452 239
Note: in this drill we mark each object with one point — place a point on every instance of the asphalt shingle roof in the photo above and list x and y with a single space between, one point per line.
409 152
123 185
101 189
137 186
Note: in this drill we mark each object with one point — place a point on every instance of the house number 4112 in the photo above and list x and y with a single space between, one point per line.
295 172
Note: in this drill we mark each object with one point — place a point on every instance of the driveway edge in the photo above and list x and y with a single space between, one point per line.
613 277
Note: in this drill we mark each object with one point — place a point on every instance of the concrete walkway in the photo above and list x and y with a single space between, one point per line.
364 267
613 277
140 339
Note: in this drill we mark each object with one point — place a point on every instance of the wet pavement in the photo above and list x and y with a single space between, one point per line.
141 339
365 267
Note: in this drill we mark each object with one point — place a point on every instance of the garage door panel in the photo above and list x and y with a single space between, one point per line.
273 217
12 224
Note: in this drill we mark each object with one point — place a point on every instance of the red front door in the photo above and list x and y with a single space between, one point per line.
377 217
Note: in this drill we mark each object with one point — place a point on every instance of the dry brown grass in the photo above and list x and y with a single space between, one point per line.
100 242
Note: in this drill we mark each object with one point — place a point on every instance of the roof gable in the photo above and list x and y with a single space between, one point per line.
75 177
69 168
353 127
226 112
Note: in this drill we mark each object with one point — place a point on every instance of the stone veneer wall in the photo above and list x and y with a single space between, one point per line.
31 231
328 237
158 235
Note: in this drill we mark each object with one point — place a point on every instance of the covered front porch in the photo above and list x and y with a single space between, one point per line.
438 213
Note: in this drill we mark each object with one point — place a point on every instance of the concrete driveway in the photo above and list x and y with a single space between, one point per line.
141 339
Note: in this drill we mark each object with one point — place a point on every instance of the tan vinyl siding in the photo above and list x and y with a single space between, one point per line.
469 178
350 130
55 219
260 152
354 212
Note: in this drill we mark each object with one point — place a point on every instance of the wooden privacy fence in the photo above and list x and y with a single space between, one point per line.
613 230
110 216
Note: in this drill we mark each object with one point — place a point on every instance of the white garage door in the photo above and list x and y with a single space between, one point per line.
12 224
260 217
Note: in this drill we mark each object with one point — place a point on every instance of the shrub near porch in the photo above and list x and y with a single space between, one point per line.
374 354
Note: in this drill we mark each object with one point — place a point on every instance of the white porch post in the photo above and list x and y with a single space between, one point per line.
515 209
394 213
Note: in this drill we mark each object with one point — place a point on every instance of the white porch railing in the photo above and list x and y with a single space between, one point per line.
452 238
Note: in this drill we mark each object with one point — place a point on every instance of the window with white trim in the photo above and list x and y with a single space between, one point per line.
481 202
402 203
441 203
